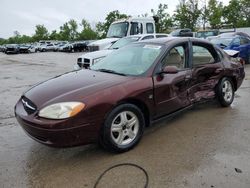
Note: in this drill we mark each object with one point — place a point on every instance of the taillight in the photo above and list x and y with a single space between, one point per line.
241 61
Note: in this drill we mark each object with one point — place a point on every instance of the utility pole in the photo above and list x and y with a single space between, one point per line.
204 16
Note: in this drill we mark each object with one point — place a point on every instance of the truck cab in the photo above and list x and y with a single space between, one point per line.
122 28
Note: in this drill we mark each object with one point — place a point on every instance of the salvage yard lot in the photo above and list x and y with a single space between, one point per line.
207 146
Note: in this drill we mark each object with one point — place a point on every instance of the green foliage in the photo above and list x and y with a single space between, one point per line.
165 21
41 33
237 13
187 14
215 10
87 32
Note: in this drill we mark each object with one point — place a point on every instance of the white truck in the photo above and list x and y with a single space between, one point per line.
123 28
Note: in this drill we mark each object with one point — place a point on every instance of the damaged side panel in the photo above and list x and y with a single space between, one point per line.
204 80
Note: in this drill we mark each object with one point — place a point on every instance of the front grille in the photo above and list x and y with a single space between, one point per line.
28 105
79 60
79 64
93 48
86 66
86 61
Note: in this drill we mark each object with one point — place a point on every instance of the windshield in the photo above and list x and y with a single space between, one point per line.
131 60
222 41
118 30
123 42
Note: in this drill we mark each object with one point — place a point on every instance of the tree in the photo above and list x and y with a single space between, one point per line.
187 14
73 26
54 35
41 33
215 10
87 32
64 32
164 22
232 13
245 10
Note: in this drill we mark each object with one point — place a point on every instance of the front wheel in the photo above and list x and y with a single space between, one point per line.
225 92
123 128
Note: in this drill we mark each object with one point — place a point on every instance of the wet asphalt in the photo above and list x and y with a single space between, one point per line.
207 146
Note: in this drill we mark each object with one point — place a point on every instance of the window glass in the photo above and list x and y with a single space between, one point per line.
134 28
148 37
236 41
175 57
134 59
150 27
244 40
118 30
161 36
201 55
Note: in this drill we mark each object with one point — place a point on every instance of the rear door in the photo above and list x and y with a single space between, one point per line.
206 71
170 90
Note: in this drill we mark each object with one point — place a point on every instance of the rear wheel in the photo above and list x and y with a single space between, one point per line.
225 92
123 128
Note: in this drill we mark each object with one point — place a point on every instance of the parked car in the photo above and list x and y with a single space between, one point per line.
89 59
48 48
27 48
126 91
67 47
182 33
234 42
12 49
206 34
2 48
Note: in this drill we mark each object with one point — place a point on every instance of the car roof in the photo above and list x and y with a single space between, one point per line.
233 34
166 40
147 34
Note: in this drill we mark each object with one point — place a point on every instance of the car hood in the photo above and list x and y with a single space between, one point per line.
72 86
96 54
103 41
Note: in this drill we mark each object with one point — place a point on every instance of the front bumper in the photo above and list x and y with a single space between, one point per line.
47 131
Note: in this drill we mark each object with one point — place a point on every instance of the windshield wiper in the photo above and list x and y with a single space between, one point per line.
114 36
223 45
111 71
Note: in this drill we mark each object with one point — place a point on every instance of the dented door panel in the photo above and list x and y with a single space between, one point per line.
170 91
204 80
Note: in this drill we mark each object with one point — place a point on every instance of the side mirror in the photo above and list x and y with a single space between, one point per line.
170 70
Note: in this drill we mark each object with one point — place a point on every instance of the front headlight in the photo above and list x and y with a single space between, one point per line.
96 60
61 110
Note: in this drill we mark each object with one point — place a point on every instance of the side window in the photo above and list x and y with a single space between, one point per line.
161 36
148 37
236 41
244 40
150 28
135 29
175 57
201 55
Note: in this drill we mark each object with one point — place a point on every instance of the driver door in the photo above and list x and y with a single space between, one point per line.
170 90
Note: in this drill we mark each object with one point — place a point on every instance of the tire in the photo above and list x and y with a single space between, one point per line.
122 129
225 92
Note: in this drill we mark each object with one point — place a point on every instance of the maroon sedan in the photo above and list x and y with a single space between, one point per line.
125 92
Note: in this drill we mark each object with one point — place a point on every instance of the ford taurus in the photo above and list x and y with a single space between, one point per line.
125 92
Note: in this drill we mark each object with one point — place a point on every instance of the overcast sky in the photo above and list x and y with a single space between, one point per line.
23 15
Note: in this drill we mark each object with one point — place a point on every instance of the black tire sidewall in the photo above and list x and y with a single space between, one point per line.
106 139
221 99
